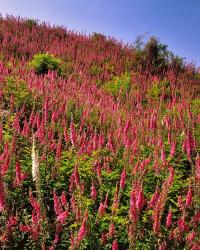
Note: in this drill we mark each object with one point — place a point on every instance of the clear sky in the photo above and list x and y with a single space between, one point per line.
175 22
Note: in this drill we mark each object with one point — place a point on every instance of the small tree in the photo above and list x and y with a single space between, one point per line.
31 23
42 63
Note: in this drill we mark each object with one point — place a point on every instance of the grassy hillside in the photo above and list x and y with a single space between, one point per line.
99 142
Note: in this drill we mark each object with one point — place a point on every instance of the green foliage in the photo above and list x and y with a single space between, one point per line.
31 23
74 111
96 37
95 70
158 88
20 92
66 68
119 85
195 106
154 56
42 63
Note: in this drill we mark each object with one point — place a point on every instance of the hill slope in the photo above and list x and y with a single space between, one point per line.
102 153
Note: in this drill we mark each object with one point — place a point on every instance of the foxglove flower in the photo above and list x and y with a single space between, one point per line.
2 197
82 231
93 191
35 162
188 201
169 219
62 217
115 245
123 179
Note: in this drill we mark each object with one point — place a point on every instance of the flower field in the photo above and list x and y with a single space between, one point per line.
100 153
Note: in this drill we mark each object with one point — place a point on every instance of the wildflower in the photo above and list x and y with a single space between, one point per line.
66 136
12 222
76 176
101 209
180 203
140 200
188 201
62 217
56 239
72 133
59 149
63 199
162 246
197 163
35 205
103 238
2 197
123 179
93 191
182 225
172 149
6 164
111 230
1 132
169 219
25 228
82 230
191 236
106 201
57 205
35 162
115 245
171 176
19 177
154 198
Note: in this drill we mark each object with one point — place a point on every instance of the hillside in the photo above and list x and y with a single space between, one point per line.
99 142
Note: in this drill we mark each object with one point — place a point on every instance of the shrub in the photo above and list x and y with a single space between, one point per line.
118 85
31 23
158 88
67 68
42 63
95 70
20 92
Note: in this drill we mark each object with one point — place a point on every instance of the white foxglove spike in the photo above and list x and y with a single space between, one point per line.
35 162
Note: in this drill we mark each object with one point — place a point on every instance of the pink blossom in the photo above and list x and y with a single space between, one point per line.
93 191
123 179
140 200
188 201
111 230
63 199
62 217
25 228
172 149
191 236
171 176
2 197
115 245
82 231
101 209
57 205
182 225
154 198
12 222
197 163
169 219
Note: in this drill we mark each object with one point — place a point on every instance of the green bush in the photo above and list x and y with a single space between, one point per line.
157 88
67 68
95 70
21 93
118 85
42 63
31 23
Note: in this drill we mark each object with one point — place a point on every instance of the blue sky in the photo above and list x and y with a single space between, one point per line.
175 22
